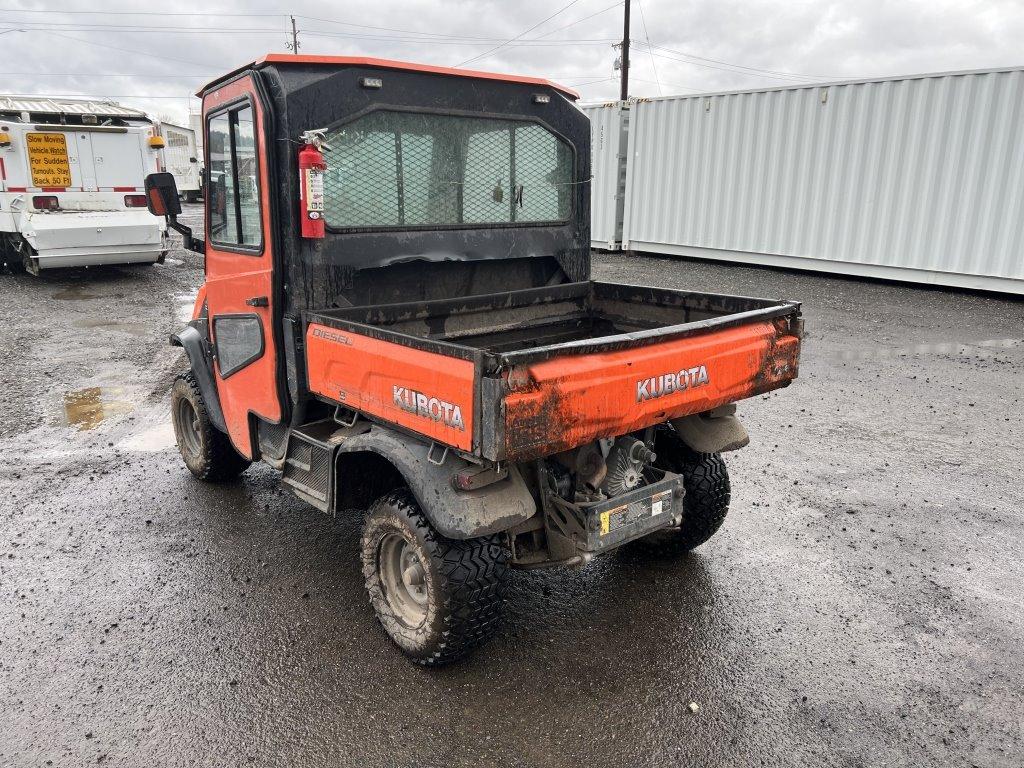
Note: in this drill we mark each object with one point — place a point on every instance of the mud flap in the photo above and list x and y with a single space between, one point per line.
714 431
456 514
195 347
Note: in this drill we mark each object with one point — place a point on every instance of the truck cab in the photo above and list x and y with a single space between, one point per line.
72 184
399 317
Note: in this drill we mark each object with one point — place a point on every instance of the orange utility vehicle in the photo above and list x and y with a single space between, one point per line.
399 316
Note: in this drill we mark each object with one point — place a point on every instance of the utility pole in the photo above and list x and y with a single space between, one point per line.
295 37
624 82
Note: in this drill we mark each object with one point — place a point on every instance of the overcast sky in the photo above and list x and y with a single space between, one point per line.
699 45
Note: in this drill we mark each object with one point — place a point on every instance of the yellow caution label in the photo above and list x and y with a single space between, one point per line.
606 519
48 159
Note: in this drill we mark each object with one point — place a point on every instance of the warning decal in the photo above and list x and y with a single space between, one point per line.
48 159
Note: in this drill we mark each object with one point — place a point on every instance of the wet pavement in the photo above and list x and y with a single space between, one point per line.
863 605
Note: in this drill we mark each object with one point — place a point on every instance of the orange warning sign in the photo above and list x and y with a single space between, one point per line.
48 159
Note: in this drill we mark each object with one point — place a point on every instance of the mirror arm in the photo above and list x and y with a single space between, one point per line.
189 242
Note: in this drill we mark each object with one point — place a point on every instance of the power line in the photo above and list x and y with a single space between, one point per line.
50 12
394 29
345 35
123 50
592 82
107 96
674 85
531 43
521 34
653 65
141 75
733 67
574 23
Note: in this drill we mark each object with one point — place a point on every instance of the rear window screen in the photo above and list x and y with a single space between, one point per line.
402 169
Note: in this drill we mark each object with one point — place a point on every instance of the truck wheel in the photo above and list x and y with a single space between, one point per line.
207 451
438 599
706 503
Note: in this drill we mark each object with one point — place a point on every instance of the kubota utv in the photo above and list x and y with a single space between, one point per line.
399 316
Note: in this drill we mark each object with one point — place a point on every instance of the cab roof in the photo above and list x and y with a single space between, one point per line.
362 61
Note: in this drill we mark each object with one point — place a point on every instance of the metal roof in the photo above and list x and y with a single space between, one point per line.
363 61
53 105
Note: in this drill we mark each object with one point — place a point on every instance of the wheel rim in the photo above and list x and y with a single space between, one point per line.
404 579
188 427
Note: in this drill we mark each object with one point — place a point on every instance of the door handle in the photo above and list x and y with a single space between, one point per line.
258 301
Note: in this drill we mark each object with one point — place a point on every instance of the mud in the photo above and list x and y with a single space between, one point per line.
862 606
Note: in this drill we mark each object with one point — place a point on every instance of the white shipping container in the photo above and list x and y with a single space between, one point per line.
918 178
609 126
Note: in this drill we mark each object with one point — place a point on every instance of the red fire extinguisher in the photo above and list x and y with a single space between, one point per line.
311 186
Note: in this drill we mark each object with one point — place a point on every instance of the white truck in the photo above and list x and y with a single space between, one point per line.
181 160
72 175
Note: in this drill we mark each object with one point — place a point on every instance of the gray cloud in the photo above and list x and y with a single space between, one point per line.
171 56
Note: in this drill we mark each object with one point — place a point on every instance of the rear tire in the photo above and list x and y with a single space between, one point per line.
437 598
706 503
206 450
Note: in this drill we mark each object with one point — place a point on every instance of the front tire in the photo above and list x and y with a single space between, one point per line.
206 450
437 598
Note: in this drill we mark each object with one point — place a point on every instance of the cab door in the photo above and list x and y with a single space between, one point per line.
239 261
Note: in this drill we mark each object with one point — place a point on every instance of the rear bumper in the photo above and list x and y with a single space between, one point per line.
92 257
89 238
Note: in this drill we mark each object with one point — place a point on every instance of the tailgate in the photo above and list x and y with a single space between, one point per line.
563 402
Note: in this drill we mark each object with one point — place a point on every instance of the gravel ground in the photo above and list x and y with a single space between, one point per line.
862 606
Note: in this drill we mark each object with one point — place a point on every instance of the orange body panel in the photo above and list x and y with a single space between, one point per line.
557 404
231 279
569 401
424 392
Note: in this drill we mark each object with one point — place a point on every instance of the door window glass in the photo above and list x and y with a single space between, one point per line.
238 340
234 200
222 181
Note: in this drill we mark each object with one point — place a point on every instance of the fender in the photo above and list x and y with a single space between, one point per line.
454 513
714 431
194 344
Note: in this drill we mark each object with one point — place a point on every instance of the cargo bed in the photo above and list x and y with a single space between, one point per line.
527 373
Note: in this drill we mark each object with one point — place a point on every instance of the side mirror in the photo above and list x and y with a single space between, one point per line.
162 200
162 195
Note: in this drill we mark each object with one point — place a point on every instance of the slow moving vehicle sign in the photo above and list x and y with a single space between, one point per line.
48 159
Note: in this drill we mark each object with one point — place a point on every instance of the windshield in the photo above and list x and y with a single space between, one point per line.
405 169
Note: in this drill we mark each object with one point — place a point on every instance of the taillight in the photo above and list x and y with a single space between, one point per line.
135 201
45 203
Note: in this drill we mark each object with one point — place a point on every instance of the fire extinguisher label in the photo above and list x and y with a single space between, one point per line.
314 191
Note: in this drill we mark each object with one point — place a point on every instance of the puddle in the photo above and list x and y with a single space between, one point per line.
77 293
135 329
185 303
90 407
155 438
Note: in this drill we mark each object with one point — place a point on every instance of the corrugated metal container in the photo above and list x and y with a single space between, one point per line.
918 178
609 124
